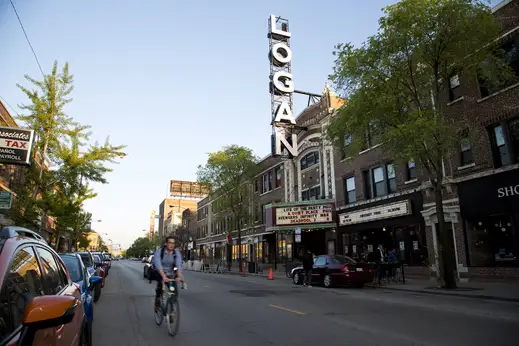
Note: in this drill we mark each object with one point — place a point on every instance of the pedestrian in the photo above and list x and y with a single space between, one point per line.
308 263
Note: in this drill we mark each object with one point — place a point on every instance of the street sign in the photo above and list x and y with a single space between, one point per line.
298 238
6 199
298 230
16 145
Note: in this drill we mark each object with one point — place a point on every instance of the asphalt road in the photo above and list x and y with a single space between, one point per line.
230 310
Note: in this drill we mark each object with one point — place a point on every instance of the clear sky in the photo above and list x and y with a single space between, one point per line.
173 80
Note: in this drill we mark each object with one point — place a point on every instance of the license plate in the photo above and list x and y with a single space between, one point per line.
360 269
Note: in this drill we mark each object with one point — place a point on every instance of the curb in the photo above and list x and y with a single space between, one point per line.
463 295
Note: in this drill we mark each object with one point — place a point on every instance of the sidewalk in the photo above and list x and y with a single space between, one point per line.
478 290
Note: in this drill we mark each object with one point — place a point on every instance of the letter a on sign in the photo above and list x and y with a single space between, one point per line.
284 114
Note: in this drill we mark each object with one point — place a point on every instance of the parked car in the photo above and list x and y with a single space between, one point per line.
88 261
101 267
37 293
336 270
148 265
84 282
105 258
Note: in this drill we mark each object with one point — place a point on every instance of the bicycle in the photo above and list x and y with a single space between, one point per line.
169 307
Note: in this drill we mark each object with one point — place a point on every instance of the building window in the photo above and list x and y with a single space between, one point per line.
347 143
267 182
309 160
351 195
454 88
391 178
256 185
465 149
411 170
511 54
491 241
379 182
368 191
505 143
372 136
278 176
311 194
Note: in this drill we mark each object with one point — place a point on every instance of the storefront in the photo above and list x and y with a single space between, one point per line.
394 223
301 226
490 210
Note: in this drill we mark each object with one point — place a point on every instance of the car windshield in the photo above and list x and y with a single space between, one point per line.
86 259
73 267
343 260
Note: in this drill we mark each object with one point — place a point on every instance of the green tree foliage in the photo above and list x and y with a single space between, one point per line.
229 173
141 247
396 83
65 163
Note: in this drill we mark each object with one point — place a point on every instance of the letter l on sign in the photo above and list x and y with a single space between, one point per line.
275 30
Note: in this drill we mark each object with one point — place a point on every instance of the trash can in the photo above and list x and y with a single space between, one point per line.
252 267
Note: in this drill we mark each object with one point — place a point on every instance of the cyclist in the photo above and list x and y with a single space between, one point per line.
166 259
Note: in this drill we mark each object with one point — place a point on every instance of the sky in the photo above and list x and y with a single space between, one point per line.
172 80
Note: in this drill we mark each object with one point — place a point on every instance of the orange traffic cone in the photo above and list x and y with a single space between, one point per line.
271 275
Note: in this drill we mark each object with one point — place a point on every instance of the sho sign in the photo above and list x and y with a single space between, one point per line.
281 88
305 214
15 146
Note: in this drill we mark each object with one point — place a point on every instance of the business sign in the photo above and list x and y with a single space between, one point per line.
6 199
508 191
16 146
304 214
281 88
386 211
188 189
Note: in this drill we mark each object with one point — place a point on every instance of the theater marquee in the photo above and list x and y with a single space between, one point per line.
305 214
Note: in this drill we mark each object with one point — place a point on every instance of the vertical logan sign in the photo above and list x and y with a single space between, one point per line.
16 146
281 88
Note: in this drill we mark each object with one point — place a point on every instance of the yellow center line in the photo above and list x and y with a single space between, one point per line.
289 310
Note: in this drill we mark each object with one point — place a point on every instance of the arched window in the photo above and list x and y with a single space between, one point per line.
309 160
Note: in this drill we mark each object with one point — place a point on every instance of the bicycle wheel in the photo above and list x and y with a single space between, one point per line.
173 316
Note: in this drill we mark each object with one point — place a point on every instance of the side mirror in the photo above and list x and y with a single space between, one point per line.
46 312
94 280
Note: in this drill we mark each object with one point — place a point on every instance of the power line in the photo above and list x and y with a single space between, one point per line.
27 38
7 103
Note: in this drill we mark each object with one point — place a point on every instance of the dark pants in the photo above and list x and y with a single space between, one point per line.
308 276
158 290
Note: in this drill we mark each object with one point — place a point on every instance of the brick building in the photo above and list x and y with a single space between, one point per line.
390 203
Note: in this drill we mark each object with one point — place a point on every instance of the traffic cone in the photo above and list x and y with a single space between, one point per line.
271 275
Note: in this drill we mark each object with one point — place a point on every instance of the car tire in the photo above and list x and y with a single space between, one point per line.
97 292
296 278
327 281
84 338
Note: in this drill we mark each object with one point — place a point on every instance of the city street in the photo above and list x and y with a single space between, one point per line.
232 310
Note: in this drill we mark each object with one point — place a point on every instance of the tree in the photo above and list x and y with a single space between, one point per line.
59 184
141 247
396 82
228 173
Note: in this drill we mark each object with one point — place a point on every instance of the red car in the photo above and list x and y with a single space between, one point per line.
335 270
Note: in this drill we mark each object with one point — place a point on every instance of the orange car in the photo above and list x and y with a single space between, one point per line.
39 304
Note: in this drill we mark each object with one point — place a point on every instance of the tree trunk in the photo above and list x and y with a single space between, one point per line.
446 265
57 241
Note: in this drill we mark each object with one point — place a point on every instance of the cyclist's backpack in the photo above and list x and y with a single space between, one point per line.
162 254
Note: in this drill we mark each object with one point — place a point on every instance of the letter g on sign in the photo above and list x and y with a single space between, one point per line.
283 81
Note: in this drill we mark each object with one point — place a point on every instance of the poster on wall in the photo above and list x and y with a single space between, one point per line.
304 214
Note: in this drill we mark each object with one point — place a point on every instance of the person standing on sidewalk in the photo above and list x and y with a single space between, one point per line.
308 263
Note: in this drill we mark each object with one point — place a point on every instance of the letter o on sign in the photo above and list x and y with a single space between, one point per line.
282 53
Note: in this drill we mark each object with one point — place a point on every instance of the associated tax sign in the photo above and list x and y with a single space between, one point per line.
16 146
